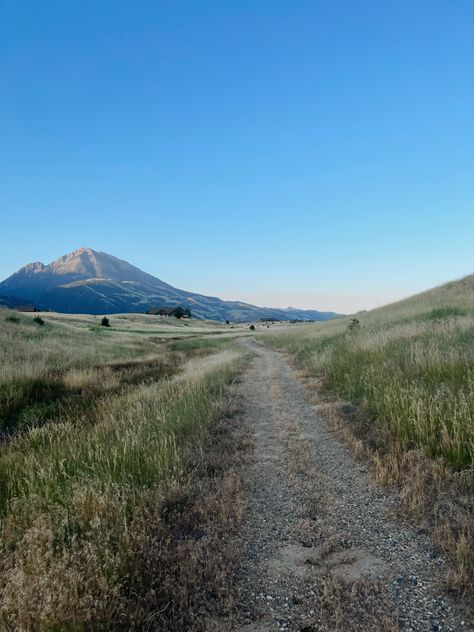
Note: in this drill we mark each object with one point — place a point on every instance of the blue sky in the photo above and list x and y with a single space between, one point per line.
312 153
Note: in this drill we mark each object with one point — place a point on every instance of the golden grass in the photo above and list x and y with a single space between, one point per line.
84 543
412 370
409 368
78 500
71 358
78 341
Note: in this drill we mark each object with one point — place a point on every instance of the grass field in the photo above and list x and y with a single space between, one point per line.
103 430
119 454
409 368
69 358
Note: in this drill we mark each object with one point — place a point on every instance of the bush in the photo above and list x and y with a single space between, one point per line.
252 327
181 312
440 313
354 324
38 320
105 322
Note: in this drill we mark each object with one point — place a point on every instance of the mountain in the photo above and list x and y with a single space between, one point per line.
90 282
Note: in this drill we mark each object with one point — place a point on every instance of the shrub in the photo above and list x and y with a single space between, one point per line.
440 313
252 327
105 322
181 312
38 320
354 324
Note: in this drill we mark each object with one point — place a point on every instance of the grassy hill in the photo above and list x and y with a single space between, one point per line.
409 369
410 364
457 296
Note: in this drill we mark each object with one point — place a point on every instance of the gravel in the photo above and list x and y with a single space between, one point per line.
345 564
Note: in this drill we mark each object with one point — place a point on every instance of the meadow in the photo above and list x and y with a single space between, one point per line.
120 453
409 370
68 358
105 456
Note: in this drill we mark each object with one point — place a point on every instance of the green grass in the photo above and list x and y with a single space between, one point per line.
197 345
81 496
409 365
135 440
41 365
28 403
81 504
147 332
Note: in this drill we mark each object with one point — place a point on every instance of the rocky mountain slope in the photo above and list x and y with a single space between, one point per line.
90 282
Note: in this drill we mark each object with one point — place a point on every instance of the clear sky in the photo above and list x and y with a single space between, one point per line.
310 153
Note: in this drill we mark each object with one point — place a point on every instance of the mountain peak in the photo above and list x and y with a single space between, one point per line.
86 264
35 266
82 269
82 251
94 282
82 262
82 254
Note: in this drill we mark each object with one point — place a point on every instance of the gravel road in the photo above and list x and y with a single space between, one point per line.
322 548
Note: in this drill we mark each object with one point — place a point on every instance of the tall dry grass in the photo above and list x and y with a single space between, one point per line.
409 368
80 502
413 374
40 366
72 359
85 543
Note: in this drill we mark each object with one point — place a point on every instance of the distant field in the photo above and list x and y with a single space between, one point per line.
409 368
69 355
102 429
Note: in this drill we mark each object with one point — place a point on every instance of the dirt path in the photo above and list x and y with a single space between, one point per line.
321 550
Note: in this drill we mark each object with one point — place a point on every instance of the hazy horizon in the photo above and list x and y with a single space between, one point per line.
341 303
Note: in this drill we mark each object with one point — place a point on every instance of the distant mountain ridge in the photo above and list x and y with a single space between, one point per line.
89 282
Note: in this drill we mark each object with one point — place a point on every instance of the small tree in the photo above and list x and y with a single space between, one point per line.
252 327
354 324
105 322
181 312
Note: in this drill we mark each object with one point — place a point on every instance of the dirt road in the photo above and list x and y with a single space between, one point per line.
323 549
